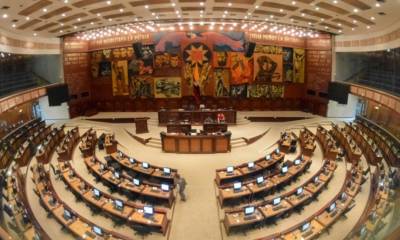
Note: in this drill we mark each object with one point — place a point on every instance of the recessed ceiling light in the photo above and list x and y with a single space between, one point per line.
317 8
61 24
121 10
109 2
79 19
110 19
13 25
303 14
91 23
293 2
63 15
35 34
368 27
27 18
146 6
355 10
372 18
5 15
352 29
335 2
65 1
257 6
201 3
377 4
173 4
75 27
230 4
280 10
44 9
99 14
61 31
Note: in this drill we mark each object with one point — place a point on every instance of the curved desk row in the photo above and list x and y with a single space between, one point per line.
151 173
129 212
212 143
328 144
267 211
125 184
250 189
76 224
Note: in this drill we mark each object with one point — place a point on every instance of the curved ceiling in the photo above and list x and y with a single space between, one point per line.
53 18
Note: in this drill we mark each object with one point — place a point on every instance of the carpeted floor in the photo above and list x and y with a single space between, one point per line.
199 217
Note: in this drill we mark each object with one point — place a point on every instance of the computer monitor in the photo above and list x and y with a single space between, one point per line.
96 193
343 197
297 162
148 210
165 187
302 157
277 151
67 214
332 207
167 170
131 160
136 182
260 179
363 231
305 227
299 191
116 174
276 201
102 167
316 179
268 157
119 204
97 230
145 165
250 165
249 210
120 154
284 169
229 169
237 186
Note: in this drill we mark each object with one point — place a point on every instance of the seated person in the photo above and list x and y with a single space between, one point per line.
221 118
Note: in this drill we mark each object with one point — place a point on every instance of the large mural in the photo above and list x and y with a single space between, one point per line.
176 64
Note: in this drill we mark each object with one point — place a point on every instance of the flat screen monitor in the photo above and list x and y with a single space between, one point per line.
284 169
165 187
249 210
148 210
302 157
131 160
237 185
120 154
229 169
250 165
276 201
67 214
102 167
119 204
97 230
116 174
299 191
136 182
145 165
316 179
297 162
305 227
268 157
96 193
332 207
277 151
343 197
167 170
260 179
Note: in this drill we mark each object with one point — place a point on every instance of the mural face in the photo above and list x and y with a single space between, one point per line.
299 64
146 62
141 86
165 87
239 90
120 78
241 68
105 69
197 57
221 59
221 78
268 68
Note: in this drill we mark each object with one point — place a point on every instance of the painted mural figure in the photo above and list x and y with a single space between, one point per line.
222 84
120 78
266 69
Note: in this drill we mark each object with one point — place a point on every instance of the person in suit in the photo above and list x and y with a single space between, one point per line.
181 182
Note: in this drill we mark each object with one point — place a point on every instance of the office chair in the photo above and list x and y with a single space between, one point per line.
141 230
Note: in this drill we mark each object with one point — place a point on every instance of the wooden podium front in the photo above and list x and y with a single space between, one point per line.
141 125
178 143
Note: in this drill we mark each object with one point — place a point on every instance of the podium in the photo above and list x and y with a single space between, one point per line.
141 125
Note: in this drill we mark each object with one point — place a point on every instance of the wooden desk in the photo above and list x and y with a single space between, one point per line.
238 219
195 116
212 127
141 125
242 172
228 194
152 173
179 127
176 143
315 227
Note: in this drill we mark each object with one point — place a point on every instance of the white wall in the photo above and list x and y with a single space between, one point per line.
336 110
55 112
48 67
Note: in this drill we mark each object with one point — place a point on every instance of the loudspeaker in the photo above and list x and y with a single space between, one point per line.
249 49
137 47
338 92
